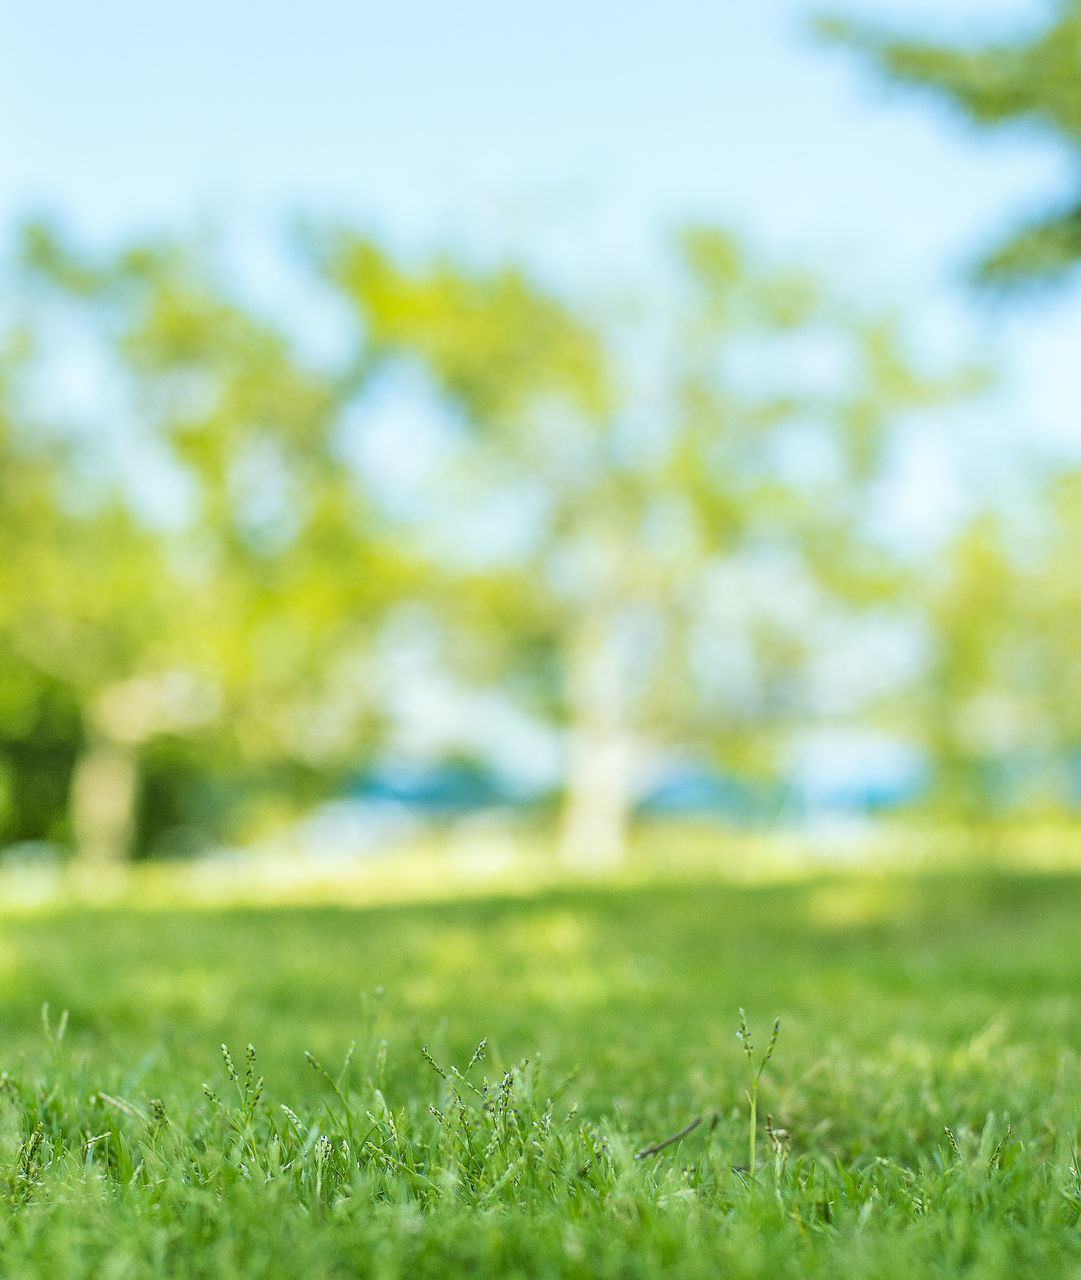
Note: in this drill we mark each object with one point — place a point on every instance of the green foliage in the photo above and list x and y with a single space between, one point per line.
211 641
660 513
668 509
998 705
40 734
494 339
1030 80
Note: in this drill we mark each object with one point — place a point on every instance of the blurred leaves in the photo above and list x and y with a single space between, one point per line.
1031 80
495 341
640 529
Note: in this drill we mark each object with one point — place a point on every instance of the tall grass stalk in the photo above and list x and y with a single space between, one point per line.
755 1076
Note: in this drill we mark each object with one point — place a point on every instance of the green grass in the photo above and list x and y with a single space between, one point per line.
923 1095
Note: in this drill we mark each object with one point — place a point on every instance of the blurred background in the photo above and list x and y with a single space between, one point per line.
553 427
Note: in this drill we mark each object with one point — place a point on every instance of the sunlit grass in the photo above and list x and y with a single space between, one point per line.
910 1004
446 864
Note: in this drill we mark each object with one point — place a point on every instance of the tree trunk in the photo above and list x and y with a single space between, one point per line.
598 793
597 804
104 795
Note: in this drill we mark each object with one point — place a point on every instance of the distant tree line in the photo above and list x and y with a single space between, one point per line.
649 527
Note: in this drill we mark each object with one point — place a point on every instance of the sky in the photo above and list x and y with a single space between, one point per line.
445 119
578 133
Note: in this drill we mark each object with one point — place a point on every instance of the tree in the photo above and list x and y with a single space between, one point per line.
999 707
647 527
40 727
1032 79
88 625
670 573
232 623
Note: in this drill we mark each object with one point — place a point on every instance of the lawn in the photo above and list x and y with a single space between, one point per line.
923 1094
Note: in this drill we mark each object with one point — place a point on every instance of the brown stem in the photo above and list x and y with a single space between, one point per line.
660 1146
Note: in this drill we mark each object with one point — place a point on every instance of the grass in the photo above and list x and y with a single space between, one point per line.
918 1114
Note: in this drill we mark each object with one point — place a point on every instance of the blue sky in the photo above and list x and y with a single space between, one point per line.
576 132
437 118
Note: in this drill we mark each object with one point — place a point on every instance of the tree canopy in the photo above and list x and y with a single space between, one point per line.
233 570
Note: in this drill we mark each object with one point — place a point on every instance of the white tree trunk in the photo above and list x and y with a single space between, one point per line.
599 787
597 805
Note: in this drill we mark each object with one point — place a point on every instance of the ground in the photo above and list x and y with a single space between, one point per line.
926 1074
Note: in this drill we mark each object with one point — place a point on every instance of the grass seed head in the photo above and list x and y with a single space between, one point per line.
772 1040
744 1035
426 1055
